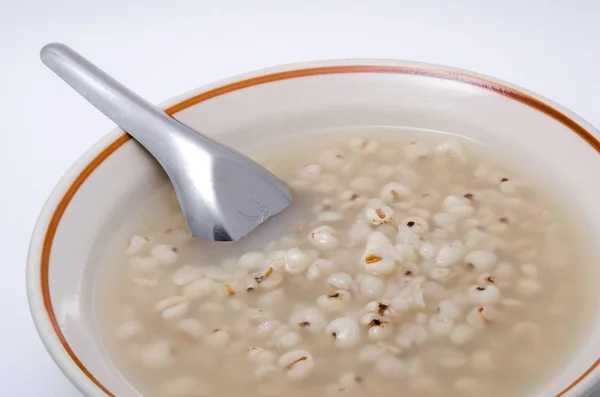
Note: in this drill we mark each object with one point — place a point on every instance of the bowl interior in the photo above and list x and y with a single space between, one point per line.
255 111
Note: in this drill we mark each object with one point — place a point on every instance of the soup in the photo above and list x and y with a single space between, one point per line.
413 263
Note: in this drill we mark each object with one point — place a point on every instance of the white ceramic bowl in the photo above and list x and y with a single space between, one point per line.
108 181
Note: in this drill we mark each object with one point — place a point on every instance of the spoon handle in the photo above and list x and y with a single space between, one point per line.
154 129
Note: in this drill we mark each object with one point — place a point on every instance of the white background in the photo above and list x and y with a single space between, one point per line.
162 48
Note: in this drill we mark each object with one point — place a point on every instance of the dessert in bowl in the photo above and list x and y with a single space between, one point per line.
442 245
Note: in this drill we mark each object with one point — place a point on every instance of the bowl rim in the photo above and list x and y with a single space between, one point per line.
38 260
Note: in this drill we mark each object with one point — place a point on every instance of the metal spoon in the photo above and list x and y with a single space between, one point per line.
223 194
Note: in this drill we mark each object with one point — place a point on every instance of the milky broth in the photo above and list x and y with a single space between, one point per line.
413 263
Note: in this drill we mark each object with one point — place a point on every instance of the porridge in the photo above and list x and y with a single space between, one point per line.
413 265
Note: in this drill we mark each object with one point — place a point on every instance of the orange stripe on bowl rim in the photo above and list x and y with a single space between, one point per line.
269 78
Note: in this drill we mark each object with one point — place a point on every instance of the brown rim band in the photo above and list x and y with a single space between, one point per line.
407 70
